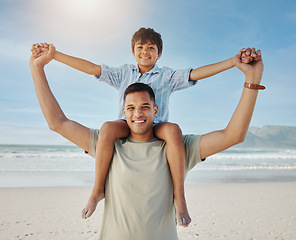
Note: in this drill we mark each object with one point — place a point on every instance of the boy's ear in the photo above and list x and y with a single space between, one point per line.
159 55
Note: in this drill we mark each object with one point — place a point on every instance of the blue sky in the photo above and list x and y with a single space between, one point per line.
195 33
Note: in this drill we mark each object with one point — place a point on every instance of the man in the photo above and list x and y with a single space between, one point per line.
139 189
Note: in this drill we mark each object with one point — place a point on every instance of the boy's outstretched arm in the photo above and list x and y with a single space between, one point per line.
55 117
237 127
246 56
74 62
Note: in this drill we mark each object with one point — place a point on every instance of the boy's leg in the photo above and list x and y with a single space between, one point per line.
172 134
109 132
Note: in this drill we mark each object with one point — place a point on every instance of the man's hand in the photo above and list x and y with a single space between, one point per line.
248 55
41 58
254 69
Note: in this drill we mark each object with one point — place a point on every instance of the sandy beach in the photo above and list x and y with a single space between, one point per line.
218 211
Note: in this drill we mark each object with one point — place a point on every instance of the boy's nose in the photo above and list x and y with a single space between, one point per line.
145 49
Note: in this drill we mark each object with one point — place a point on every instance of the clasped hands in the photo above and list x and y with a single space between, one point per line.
248 55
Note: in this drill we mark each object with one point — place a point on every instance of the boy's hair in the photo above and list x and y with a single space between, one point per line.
145 35
139 87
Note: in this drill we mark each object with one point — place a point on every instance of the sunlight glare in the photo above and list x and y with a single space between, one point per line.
83 5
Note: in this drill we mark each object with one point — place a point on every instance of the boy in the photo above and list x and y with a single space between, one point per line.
146 49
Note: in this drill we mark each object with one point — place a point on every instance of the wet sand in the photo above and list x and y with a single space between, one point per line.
218 211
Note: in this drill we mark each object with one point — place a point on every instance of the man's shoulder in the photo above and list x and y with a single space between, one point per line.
192 144
188 138
192 150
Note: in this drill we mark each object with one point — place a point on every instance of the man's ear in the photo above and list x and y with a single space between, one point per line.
124 112
155 110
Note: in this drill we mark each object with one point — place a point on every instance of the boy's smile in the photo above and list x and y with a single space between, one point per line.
146 55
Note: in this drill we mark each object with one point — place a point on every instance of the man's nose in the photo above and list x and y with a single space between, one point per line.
138 112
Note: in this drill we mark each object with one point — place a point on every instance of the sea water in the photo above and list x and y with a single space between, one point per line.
68 165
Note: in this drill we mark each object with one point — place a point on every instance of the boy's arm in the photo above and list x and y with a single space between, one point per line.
237 127
210 70
246 56
74 62
56 119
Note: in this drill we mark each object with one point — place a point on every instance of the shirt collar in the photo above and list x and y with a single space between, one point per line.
155 69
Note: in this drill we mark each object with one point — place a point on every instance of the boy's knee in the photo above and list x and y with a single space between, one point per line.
170 130
173 128
107 129
112 130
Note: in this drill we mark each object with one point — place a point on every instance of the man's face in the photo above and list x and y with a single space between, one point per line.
139 111
146 55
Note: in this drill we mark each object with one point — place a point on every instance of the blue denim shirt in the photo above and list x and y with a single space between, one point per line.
164 81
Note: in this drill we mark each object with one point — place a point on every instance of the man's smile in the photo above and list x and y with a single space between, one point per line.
138 121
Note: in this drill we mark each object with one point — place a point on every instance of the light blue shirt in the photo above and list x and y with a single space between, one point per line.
164 81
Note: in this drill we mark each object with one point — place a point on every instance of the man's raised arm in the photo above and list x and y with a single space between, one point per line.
237 128
56 119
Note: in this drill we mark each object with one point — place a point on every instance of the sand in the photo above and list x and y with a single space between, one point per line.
218 211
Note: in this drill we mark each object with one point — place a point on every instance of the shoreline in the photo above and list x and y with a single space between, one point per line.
37 179
218 211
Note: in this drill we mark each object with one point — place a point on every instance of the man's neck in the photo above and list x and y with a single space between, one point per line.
142 137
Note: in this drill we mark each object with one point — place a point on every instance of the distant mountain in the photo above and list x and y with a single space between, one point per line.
270 137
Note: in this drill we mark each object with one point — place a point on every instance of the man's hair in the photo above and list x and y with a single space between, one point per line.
145 35
139 87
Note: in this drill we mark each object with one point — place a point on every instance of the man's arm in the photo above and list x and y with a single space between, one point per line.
237 128
56 119
246 55
74 62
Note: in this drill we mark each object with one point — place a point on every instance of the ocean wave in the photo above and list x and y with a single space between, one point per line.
40 155
80 154
70 159
245 168
47 170
255 156
196 168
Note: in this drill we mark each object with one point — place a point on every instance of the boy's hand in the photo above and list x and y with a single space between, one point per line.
42 59
39 49
248 55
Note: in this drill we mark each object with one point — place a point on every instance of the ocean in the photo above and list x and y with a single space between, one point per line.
67 165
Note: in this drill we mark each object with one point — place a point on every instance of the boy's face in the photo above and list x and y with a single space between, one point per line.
146 55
